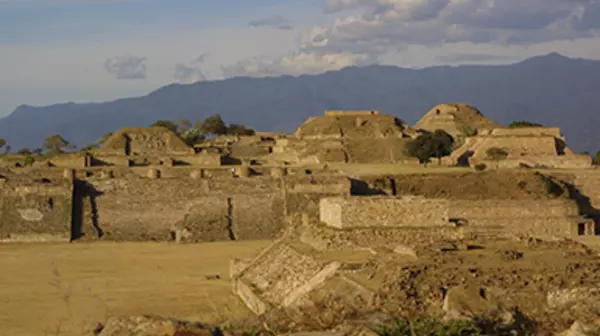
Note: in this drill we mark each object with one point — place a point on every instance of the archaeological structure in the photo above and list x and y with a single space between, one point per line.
333 232
145 183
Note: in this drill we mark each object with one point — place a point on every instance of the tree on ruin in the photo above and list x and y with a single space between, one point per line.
56 143
431 145
166 124
522 123
236 129
213 125
2 142
192 136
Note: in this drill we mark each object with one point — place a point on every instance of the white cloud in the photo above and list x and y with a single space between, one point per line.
294 64
375 28
126 67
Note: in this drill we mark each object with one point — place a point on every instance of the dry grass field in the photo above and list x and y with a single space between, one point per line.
62 289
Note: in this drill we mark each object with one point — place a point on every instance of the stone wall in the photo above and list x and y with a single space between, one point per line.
514 209
364 211
35 209
543 161
527 131
146 209
207 209
555 217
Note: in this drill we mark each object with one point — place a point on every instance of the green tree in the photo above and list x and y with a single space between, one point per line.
38 151
24 151
596 159
166 124
56 143
431 145
235 129
214 125
2 144
522 123
192 136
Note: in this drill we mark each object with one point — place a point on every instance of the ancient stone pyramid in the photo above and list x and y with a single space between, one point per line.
453 118
145 141
352 125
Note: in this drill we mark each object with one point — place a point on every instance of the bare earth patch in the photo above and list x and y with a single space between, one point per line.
64 289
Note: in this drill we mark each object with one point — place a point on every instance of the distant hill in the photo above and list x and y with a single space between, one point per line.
552 90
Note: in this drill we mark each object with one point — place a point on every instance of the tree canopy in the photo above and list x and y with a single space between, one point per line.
213 125
522 123
235 129
56 143
431 145
166 124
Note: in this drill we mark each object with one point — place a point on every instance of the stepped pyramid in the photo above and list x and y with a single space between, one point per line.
453 118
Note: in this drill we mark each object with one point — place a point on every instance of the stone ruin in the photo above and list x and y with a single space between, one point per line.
361 247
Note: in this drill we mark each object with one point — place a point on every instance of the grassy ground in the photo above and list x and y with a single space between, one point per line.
61 289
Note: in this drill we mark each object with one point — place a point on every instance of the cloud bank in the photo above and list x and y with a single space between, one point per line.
366 30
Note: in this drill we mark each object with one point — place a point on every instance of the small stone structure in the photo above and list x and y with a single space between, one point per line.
542 147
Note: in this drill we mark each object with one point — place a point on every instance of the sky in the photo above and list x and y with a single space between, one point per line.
56 51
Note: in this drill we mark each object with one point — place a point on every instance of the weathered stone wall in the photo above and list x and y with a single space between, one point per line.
546 161
384 212
145 209
512 209
527 131
35 209
303 193
537 217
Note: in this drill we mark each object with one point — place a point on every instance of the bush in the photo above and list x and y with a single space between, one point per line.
495 153
520 124
480 167
29 160
468 131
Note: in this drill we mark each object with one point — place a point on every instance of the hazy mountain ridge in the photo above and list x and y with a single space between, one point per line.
552 89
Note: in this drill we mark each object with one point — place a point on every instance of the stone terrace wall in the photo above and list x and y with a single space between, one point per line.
35 209
145 209
546 161
513 209
139 208
527 131
384 212
555 217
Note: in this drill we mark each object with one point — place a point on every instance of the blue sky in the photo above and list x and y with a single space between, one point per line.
54 51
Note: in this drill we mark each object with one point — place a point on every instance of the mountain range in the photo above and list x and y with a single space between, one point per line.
552 89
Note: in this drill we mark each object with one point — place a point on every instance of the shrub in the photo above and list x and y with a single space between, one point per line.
468 131
480 167
520 124
495 153
29 160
